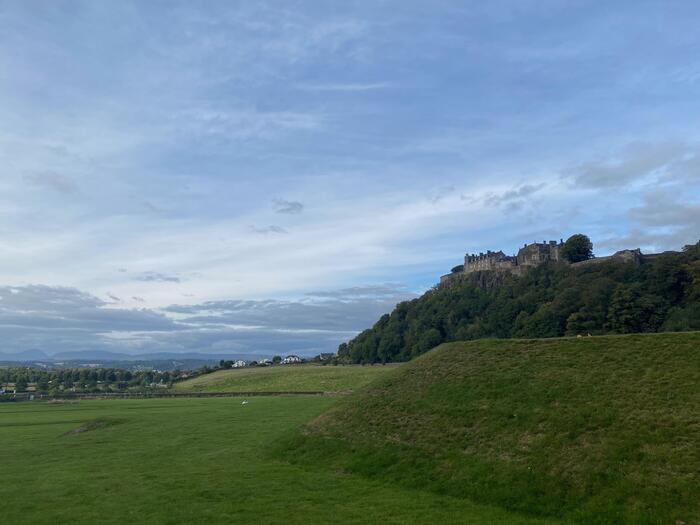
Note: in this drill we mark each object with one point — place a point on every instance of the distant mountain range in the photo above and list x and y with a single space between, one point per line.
101 355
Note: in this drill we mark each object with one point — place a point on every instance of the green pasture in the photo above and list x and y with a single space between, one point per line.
169 461
595 430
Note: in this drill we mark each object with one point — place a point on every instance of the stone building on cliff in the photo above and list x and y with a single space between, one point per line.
528 256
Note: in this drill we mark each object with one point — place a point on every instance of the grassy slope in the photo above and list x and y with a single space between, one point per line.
594 430
286 378
191 461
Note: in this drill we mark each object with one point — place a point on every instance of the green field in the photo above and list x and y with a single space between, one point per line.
599 430
602 430
286 378
171 461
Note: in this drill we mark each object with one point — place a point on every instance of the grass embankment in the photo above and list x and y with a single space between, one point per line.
171 461
591 430
286 378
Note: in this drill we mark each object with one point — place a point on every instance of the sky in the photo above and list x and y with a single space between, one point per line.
257 177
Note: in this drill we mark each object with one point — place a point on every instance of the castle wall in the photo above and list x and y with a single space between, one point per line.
487 264
533 255
528 256
537 253
488 261
631 256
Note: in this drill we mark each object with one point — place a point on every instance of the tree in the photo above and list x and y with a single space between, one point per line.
632 311
43 384
277 359
577 248
21 385
430 339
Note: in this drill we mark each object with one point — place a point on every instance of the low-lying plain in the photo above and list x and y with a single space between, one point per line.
168 461
591 430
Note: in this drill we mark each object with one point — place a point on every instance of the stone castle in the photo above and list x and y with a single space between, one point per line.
528 256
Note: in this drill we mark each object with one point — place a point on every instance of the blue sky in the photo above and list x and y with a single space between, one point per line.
176 168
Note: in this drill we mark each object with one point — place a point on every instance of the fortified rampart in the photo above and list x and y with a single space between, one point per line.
531 255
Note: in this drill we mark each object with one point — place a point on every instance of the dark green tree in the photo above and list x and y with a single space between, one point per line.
633 311
577 248
429 340
43 384
277 359
21 385
343 351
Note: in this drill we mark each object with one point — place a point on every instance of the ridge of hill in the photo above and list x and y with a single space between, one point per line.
285 378
658 294
595 430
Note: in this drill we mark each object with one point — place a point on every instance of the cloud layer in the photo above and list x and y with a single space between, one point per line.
55 319
202 167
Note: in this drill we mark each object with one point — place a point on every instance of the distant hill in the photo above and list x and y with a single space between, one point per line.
106 356
550 300
99 355
602 430
26 355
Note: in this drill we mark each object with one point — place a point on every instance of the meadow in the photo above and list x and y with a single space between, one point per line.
592 430
602 430
286 378
170 461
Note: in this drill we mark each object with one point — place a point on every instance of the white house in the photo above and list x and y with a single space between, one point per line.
291 360
239 364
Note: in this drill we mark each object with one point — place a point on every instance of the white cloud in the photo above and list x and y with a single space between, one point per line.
636 163
157 277
285 206
54 181
264 230
351 87
243 124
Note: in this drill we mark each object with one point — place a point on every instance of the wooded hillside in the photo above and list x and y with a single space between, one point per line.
551 300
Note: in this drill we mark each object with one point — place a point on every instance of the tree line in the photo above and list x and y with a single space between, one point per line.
83 379
551 300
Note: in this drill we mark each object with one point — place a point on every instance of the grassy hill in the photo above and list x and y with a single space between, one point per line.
286 378
192 461
595 430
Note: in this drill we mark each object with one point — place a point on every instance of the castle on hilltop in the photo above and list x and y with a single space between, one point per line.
528 256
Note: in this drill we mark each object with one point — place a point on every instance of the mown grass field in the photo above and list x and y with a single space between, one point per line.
595 430
286 378
174 461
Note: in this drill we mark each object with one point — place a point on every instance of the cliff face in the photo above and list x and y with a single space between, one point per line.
487 280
